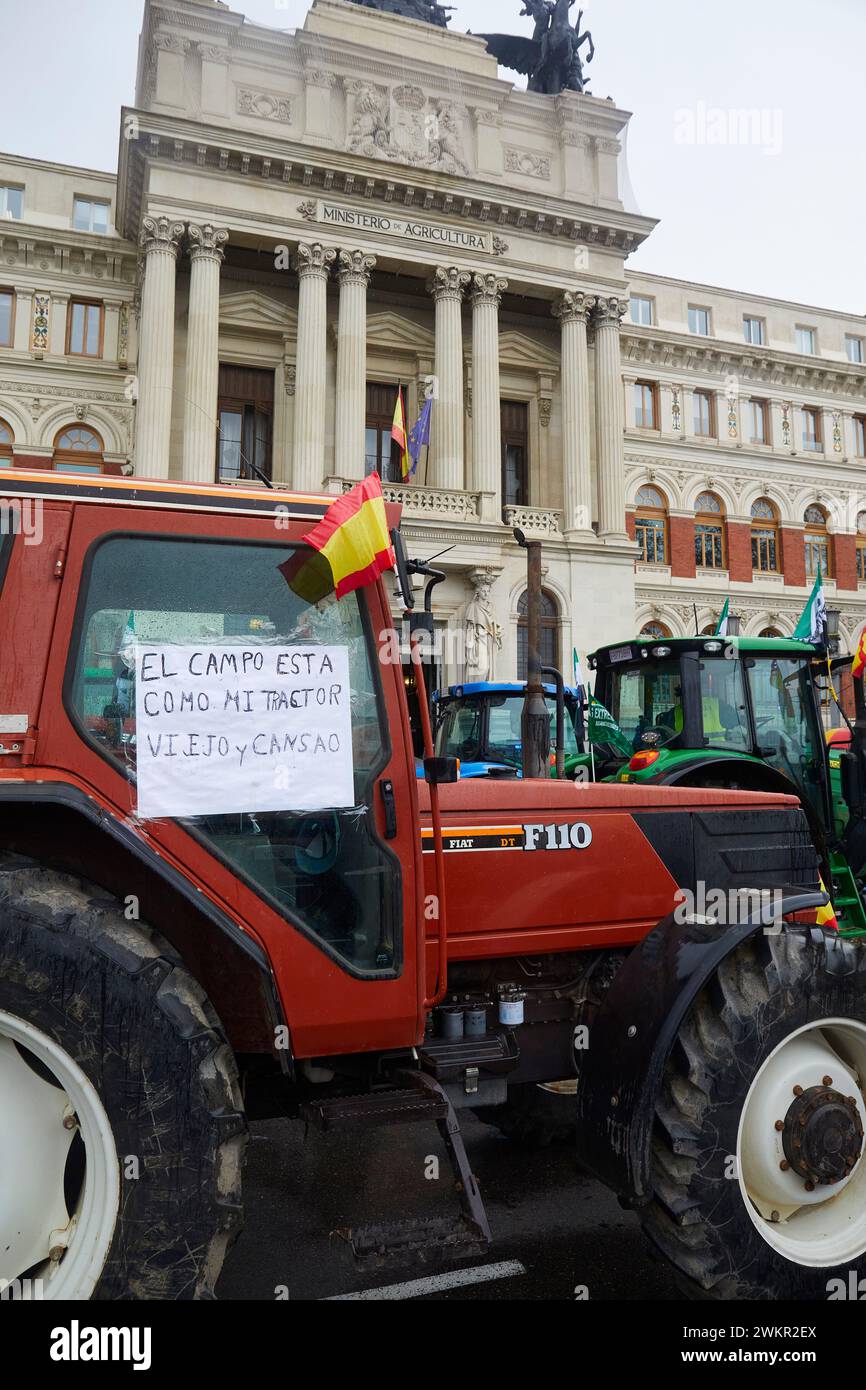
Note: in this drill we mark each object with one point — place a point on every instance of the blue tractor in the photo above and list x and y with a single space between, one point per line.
479 723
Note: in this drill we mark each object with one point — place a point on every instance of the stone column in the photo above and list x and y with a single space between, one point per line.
447 286
313 265
160 239
202 353
351 411
607 317
486 296
572 310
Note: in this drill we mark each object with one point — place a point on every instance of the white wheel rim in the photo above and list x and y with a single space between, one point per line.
825 1226
46 1250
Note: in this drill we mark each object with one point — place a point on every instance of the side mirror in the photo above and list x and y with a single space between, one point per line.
438 771
853 772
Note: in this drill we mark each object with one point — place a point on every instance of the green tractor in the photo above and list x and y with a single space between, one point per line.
738 712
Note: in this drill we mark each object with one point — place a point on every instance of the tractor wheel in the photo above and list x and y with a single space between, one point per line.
122 1135
535 1115
759 1174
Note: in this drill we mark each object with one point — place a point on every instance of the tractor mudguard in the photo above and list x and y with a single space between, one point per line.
635 1028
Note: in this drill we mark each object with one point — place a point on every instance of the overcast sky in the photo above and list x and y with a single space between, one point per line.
772 203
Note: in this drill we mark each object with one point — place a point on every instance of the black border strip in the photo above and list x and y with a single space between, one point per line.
282 504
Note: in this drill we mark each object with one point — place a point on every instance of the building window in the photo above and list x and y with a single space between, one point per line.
757 422
699 321
817 540
806 340
854 349
7 318
753 330
646 405
702 413
84 329
246 412
812 430
769 632
381 452
651 526
89 215
78 450
11 202
514 417
861 548
709 532
641 310
7 439
765 537
860 436
657 631
548 638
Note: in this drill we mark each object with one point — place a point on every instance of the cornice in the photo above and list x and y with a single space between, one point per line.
327 172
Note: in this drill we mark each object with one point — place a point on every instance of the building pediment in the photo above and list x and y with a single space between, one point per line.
393 331
517 350
254 311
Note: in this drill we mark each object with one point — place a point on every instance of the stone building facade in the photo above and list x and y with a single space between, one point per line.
303 222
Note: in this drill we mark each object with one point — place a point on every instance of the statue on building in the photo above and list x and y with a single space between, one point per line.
551 58
428 11
482 633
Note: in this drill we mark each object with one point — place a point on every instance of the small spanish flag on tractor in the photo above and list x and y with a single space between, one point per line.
352 538
826 916
859 662
399 433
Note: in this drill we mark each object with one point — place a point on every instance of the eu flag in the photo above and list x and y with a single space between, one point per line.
419 435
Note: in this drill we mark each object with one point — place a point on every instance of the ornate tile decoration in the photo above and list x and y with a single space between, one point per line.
41 321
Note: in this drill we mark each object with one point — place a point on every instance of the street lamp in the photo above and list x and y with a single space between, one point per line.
734 624
833 615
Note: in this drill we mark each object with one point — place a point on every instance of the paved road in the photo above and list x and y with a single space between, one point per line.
565 1230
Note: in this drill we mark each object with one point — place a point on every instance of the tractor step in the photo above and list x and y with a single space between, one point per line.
425 1240
379 1108
415 1096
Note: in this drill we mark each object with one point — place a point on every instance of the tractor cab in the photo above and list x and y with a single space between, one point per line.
479 723
735 711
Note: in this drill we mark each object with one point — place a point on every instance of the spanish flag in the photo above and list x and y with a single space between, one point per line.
398 433
352 538
859 661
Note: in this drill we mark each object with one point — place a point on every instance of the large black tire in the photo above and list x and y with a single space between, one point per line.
533 1116
767 989
116 998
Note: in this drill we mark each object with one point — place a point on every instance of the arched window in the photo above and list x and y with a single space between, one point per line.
549 636
78 449
817 540
656 630
769 632
765 537
709 532
7 439
651 526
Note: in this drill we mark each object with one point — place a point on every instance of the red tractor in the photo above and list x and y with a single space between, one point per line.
360 948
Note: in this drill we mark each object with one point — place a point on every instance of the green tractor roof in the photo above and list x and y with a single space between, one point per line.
637 648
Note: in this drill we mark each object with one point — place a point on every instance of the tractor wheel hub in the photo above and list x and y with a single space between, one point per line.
822 1135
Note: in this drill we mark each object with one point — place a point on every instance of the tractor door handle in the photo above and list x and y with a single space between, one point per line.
386 788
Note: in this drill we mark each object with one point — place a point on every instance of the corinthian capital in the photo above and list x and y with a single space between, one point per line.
573 307
314 259
206 242
609 311
160 234
355 267
488 289
447 282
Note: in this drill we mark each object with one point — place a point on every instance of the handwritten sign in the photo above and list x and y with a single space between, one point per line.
226 728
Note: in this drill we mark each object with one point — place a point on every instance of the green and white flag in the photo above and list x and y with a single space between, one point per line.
722 626
812 626
601 727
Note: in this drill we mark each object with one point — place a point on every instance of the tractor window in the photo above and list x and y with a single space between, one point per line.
646 702
723 700
324 870
786 724
459 734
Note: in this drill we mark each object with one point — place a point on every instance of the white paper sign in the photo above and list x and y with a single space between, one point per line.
223 727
